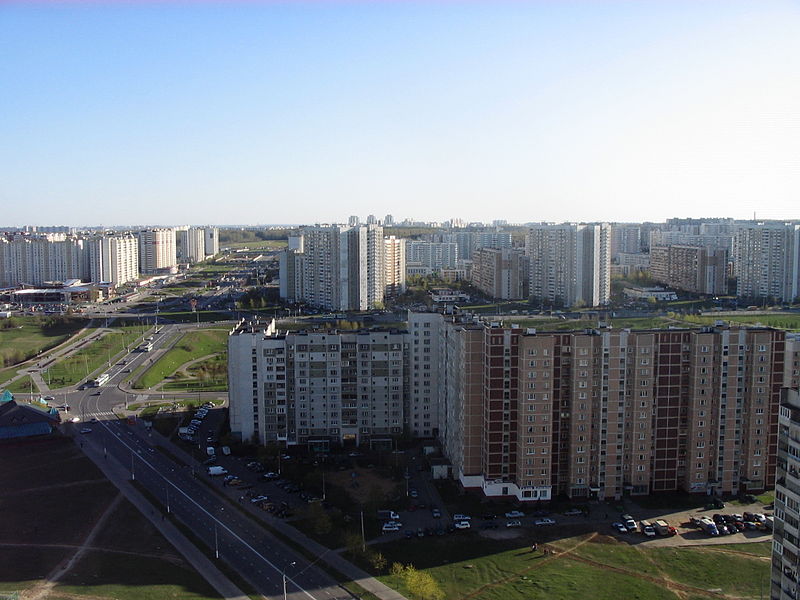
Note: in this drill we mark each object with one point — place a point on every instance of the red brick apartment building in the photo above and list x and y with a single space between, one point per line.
604 413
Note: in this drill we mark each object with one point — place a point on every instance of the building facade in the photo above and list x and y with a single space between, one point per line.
114 258
765 261
570 264
786 529
34 260
320 389
157 253
694 269
191 244
601 414
500 273
336 267
395 265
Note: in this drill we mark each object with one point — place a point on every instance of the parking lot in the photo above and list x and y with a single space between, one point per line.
419 510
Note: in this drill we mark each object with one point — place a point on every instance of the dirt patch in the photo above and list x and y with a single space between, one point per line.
604 539
360 487
501 534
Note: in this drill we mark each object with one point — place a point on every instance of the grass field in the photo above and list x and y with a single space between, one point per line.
191 346
585 566
21 386
780 321
28 336
209 375
53 495
92 356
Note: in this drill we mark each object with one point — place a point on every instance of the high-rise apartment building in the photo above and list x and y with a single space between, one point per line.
394 270
599 414
786 528
157 252
626 238
695 269
114 258
570 264
766 262
191 244
431 256
317 388
34 260
423 414
500 273
211 240
339 268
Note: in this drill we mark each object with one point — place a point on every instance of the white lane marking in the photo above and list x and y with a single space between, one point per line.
253 550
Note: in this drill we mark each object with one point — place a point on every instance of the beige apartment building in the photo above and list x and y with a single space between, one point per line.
695 269
500 273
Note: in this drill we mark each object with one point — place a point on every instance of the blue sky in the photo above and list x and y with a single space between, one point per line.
296 112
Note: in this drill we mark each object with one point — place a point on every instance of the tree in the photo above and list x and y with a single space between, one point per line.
320 520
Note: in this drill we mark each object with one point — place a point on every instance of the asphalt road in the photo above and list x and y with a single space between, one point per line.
249 549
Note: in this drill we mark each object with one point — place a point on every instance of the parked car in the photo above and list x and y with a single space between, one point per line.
460 517
619 527
514 514
513 523
390 527
628 521
573 512
436 513
544 521
461 525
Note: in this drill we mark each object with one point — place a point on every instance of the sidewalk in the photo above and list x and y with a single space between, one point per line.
118 475
330 557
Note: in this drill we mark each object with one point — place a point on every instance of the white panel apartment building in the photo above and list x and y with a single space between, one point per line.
338 268
191 244
157 252
317 388
211 240
570 263
35 260
114 258
766 262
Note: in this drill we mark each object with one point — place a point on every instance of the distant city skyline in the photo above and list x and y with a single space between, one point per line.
307 112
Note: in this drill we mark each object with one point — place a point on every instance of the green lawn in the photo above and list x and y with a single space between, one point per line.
122 577
209 375
21 386
191 346
470 566
780 321
93 356
24 337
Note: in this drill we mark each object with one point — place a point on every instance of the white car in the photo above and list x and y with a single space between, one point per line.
389 527
461 525
573 512
514 524
461 518
544 521
515 514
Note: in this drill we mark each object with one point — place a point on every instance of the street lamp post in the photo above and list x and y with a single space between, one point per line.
283 576
216 541
133 473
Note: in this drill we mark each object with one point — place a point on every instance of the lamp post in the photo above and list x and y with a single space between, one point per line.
283 576
216 541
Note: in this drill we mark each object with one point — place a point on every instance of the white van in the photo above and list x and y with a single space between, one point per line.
211 451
